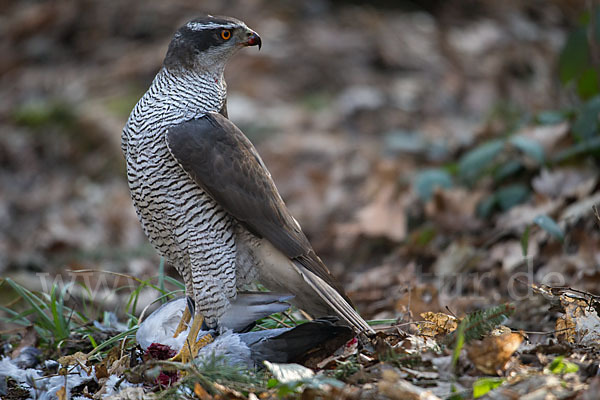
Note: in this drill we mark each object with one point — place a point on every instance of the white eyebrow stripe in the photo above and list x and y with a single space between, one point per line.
197 26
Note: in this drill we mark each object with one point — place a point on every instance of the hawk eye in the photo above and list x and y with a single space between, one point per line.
225 34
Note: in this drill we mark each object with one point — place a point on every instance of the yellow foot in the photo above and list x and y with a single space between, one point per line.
183 322
191 346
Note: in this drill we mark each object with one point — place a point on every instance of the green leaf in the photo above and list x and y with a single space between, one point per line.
586 124
460 342
272 383
551 117
574 56
428 180
374 322
486 206
472 163
550 226
405 142
530 147
507 169
559 366
425 235
483 385
92 340
510 196
525 241
587 83
455 394
589 146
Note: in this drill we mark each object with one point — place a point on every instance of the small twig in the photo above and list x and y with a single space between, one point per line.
289 316
305 315
13 302
279 321
451 312
408 304
415 322
122 349
54 375
14 330
262 327
546 333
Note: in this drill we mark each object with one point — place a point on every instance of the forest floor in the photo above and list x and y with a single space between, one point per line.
431 153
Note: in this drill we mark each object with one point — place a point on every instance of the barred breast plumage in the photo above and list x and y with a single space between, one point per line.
182 222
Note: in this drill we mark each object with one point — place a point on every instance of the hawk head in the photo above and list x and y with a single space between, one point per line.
207 43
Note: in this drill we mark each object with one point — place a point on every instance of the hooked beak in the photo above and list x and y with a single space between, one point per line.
253 40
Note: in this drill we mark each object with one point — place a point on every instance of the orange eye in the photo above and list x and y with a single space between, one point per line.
225 34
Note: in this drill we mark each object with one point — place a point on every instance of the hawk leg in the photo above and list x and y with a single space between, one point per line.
192 345
183 322
185 318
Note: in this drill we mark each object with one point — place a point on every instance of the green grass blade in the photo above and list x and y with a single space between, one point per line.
114 339
161 277
175 282
35 302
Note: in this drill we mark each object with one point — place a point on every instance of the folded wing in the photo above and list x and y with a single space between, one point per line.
225 164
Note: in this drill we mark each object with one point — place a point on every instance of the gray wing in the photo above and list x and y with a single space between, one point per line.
225 164
249 307
219 157
289 344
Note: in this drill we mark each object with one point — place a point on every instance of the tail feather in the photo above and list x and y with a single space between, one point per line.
335 300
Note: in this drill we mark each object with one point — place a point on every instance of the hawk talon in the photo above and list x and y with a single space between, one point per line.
192 344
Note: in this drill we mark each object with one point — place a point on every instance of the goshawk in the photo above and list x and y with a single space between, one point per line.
204 197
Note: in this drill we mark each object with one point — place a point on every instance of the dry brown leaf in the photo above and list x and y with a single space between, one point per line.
546 135
78 358
419 299
533 387
491 354
583 208
101 371
29 340
417 374
118 367
565 182
580 323
438 324
460 256
61 393
565 329
396 388
518 217
384 216
348 350
230 393
509 253
454 209
201 393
